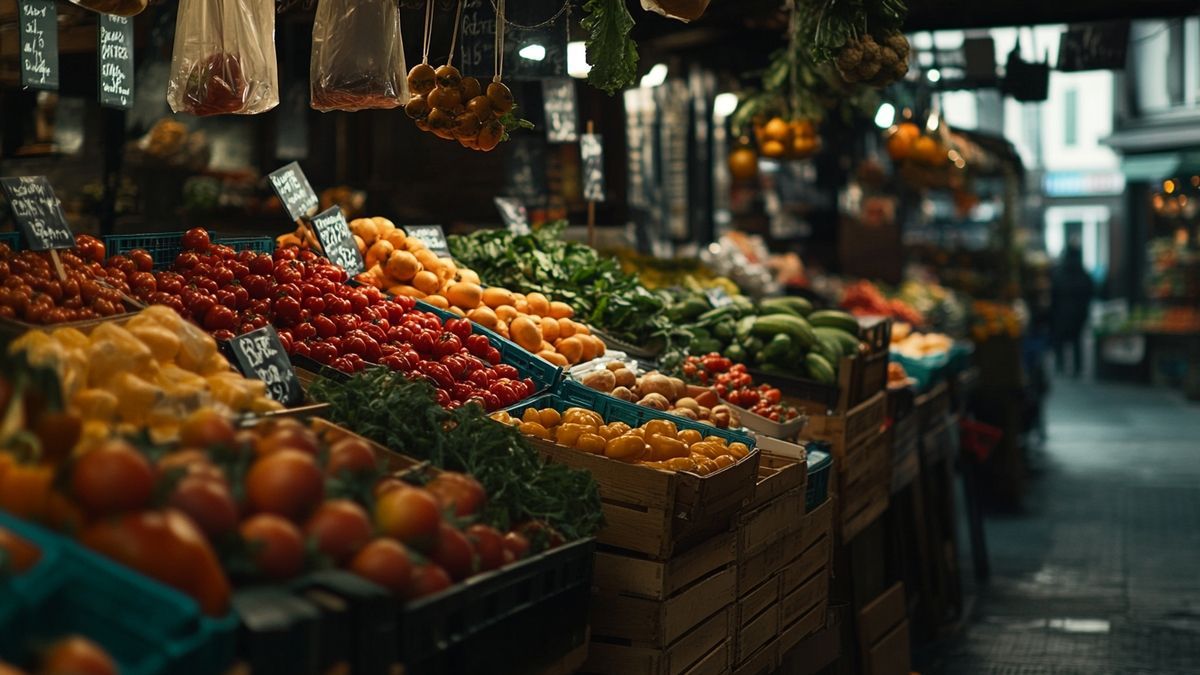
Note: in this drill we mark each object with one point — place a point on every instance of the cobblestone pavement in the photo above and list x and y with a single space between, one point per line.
1101 573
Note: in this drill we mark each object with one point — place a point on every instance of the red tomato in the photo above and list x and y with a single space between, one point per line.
385 562
453 552
276 545
288 437
261 264
112 478
19 554
164 545
220 317
76 655
411 515
352 455
517 544
286 483
205 428
489 546
209 504
427 579
196 239
339 528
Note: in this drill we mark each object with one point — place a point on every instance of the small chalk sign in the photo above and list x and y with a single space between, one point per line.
294 191
260 355
562 118
337 242
591 151
38 33
717 297
115 51
38 213
433 236
514 215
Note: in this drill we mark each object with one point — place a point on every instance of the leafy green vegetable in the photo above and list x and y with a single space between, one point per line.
612 54
602 294
403 415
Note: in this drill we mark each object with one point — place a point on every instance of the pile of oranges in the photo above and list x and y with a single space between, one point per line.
780 139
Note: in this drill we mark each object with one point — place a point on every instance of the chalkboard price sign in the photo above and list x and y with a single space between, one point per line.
334 235
38 212
116 61
514 214
433 236
718 297
295 191
592 153
558 95
38 32
259 355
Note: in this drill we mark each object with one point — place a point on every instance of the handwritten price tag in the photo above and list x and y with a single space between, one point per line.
337 242
259 354
294 191
116 61
433 236
38 212
37 22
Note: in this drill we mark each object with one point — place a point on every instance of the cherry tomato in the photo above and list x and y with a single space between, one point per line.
448 343
196 239
339 528
427 579
277 546
459 327
411 515
385 562
219 317
488 544
209 504
112 478
459 492
517 544
452 551
286 483
351 454
286 310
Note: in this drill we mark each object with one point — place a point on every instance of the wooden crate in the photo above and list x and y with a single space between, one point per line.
758 567
939 443
932 406
627 574
761 662
847 431
705 650
810 622
906 460
777 474
859 377
771 522
660 513
817 523
864 487
757 600
755 633
883 633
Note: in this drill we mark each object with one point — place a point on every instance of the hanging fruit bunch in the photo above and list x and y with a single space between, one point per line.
454 107
779 139
861 38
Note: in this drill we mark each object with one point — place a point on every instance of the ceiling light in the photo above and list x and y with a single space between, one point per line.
656 76
533 52
577 65
724 104
885 116
933 75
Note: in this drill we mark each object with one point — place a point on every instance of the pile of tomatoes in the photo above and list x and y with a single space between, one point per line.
265 504
31 290
321 317
733 384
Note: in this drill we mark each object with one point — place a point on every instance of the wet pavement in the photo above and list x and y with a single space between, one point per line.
1101 572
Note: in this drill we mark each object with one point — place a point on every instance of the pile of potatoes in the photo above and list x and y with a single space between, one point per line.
657 444
660 392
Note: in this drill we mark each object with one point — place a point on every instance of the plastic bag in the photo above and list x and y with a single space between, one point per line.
224 58
357 56
683 10
114 7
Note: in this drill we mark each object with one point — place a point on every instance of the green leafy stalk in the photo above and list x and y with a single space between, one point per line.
611 52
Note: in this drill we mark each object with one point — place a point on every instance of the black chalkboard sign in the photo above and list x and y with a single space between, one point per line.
514 214
259 355
592 153
535 39
1094 46
38 212
38 31
334 235
718 297
433 236
115 50
295 191
562 118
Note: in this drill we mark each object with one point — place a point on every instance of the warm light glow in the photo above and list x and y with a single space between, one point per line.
885 116
1168 186
1195 181
932 123
656 76
533 52
933 75
577 65
724 104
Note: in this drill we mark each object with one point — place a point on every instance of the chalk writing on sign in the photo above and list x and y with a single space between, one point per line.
337 241
260 355
38 36
38 212
116 61
294 191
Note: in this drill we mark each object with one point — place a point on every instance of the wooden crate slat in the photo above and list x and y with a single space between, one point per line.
661 623
660 579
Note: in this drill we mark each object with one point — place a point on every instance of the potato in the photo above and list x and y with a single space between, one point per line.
679 387
688 403
684 412
655 401
656 383
625 377
615 366
600 380
624 394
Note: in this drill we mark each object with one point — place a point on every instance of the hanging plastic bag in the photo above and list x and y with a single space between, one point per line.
114 7
684 10
224 58
357 56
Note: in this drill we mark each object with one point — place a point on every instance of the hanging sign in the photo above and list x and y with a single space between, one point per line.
433 236
260 355
1094 46
535 39
514 215
38 213
562 119
38 33
294 191
337 241
592 153
115 56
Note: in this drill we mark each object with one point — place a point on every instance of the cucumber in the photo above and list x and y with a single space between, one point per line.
790 303
744 326
828 347
847 343
775 324
687 310
828 318
819 369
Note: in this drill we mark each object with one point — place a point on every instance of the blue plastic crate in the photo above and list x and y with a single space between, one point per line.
544 374
147 627
572 394
256 244
162 246
820 463
13 239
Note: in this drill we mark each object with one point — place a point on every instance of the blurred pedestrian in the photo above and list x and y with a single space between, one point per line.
1071 298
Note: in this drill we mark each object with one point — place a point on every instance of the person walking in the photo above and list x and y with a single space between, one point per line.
1071 298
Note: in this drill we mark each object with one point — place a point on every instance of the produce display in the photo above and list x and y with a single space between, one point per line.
31 290
916 345
993 319
732 383
864 298
660 392
320 317
657 444
602 295
405 267
149 372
